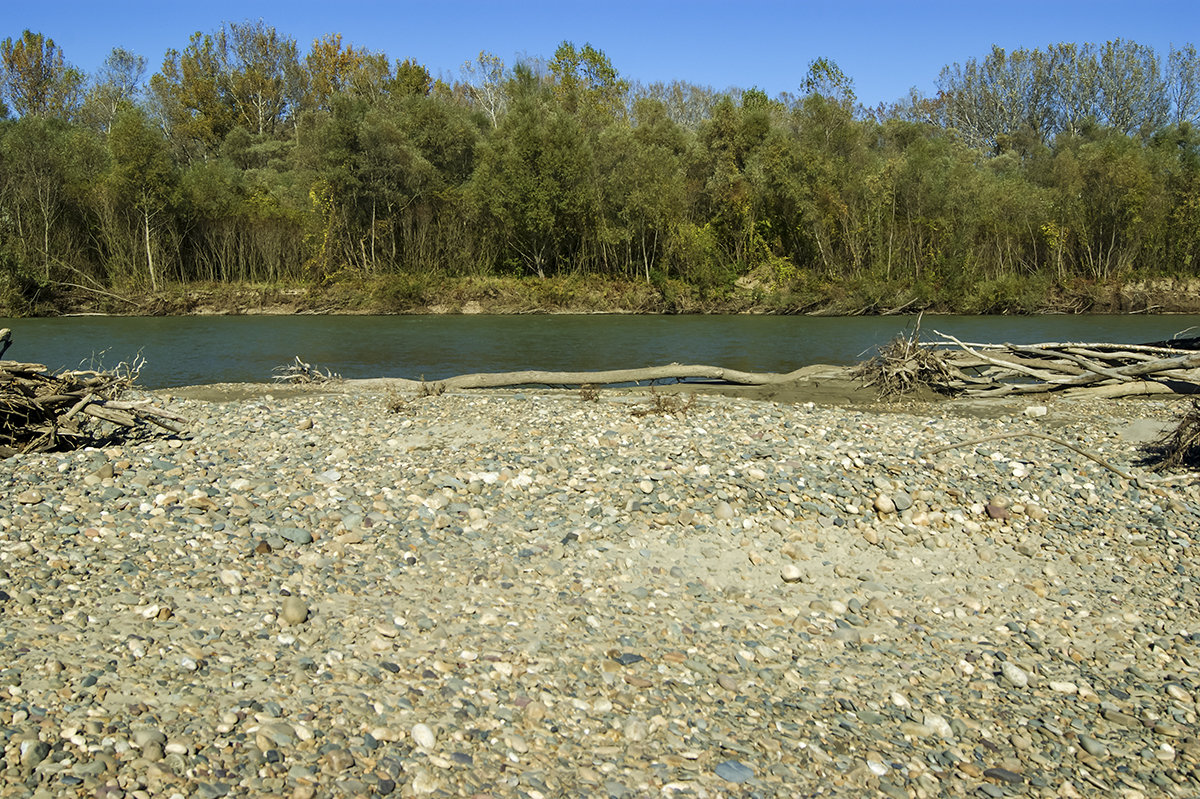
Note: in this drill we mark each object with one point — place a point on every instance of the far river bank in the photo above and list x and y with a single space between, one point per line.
580 294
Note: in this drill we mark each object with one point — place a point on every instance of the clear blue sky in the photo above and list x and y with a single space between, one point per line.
886 47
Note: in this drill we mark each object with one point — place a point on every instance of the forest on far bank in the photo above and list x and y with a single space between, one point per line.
1034 180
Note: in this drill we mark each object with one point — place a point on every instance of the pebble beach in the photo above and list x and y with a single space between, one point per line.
534 593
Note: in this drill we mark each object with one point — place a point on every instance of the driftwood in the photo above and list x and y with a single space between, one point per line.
1178 448
300 372
956 367
904 365
651 374
42 412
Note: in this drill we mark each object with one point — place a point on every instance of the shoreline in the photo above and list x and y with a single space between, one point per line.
522 592
591 295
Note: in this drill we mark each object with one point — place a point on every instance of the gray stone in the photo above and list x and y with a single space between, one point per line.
295 535
734 771
1092 746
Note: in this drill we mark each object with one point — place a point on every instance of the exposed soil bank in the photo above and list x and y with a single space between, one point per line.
406 294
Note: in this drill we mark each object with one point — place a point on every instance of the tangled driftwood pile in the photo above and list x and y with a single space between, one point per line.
300 372
952 366
42 412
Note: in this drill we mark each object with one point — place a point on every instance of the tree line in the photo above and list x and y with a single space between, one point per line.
245 160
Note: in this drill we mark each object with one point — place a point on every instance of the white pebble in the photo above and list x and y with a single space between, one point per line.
939 725
423 736
1014 674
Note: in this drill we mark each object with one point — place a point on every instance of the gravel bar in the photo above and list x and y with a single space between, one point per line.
528 594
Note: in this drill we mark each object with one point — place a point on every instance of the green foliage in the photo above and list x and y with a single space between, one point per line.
825 79
1007 294
586 83
1035 177
35 78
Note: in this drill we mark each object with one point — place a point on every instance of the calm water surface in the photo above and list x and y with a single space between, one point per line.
193 350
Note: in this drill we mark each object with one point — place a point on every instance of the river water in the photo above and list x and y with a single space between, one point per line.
216 349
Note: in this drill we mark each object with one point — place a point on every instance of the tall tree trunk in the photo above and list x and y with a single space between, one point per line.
149 250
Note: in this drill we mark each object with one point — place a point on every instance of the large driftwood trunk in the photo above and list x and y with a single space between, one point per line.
649 374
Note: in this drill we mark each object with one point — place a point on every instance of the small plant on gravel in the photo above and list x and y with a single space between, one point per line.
430 389
588 392
665 404
1178 448
397 403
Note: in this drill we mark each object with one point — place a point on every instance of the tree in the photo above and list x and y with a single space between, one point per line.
1183 84
999 95
533 180
260 72
330 69
686 104
410 78
189 100
36 79
35 153
485 84
48 173
1074 72
586 83
117 85
1133 95
826 79
650 179
143 178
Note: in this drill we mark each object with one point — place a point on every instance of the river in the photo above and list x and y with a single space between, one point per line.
217 349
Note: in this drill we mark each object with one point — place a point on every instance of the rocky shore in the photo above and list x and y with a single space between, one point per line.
529 594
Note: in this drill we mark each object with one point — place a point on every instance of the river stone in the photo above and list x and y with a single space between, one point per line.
295 535
294 611
423 736
30 496
939 725
734 771
997 508
147 735
1092 746
509 645
1014 674
32 752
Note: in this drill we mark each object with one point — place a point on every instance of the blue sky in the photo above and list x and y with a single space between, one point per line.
886 47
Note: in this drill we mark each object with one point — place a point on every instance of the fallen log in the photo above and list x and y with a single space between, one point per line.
1141 388
650 374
